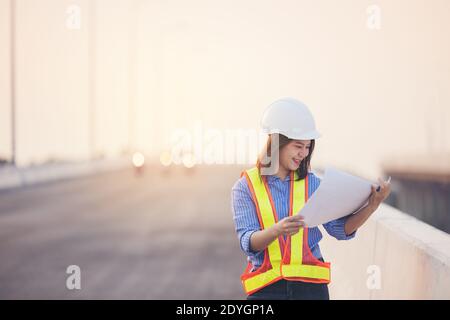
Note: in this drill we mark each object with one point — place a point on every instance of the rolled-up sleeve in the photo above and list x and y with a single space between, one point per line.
244 215
336 228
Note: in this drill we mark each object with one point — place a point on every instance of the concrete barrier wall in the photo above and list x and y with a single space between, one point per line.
410 258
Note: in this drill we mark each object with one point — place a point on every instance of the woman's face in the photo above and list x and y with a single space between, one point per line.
293 153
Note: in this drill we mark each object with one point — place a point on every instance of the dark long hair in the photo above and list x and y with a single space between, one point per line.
304 167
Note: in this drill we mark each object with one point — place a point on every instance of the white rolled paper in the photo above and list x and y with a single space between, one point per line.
338 195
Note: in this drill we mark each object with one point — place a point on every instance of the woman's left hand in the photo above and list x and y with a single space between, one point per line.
376 197
356 220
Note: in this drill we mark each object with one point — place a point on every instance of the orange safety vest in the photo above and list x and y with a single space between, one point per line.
291 259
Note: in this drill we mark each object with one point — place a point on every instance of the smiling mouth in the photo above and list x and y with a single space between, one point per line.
297 162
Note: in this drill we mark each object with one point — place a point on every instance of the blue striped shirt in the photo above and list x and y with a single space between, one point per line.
246 219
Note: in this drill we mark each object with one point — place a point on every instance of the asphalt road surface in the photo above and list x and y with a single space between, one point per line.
167 234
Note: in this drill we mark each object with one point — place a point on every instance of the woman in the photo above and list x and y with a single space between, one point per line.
284 258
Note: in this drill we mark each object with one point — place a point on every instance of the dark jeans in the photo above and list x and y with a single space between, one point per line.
292 290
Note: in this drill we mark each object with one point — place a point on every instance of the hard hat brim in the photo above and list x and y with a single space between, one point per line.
311 135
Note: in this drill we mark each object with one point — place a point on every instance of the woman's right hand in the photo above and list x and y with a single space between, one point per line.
289 226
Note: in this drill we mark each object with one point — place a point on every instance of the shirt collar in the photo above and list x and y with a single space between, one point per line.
273 178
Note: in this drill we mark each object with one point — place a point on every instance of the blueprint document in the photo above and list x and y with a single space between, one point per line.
338 195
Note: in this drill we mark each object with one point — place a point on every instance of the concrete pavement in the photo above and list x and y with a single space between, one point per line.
165 235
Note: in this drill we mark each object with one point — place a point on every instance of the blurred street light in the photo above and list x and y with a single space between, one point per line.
165 158
189 160
138 161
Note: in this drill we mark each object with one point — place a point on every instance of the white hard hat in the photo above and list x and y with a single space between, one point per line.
290 118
